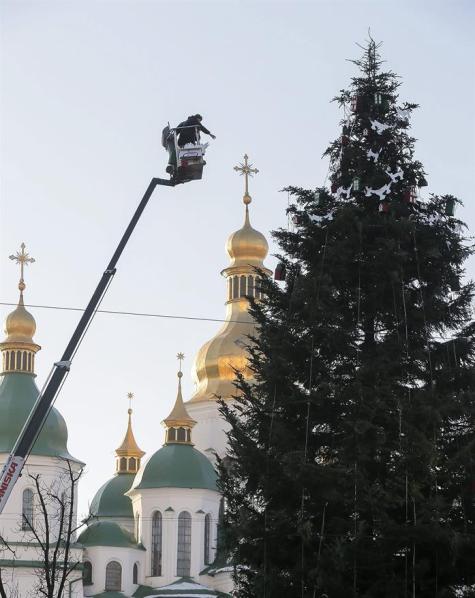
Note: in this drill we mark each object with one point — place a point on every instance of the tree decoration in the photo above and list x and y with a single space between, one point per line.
379 127
450 206
280 271
422 182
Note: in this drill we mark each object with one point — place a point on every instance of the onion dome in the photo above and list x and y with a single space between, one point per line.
247 246
177 464
108 533
178 424
18 391
128 455
18 394
19 349
218 359
110 500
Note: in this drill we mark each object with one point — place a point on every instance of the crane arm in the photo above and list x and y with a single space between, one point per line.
57 376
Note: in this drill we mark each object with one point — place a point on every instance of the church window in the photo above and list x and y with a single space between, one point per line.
181 435
132 464
27 509
87 573
135 574
12 360
23 366
18 360
113 577
250 286
188 435
156 544
258 289
123 464
230 289
242 290
235 287
184 545
207 539
29 362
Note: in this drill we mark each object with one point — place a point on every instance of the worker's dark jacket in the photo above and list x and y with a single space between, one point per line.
189 135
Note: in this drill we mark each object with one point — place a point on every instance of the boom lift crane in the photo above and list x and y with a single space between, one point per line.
186 171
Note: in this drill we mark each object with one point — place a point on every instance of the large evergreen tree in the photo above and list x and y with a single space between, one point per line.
351 462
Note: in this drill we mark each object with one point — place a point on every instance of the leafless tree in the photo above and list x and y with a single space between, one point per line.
8 589
54 530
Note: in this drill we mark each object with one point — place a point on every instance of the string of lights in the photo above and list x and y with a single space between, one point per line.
126 313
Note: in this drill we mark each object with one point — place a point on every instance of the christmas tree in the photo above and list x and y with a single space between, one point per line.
350 469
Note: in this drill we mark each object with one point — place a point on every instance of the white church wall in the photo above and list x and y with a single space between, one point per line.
54 476
171 502
100 556
209 433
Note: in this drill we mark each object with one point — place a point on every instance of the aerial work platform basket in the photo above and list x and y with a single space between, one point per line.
185 163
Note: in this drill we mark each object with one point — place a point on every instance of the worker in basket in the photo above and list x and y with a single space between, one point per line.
189 130
187 134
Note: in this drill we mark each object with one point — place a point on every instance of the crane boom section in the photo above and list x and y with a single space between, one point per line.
33 425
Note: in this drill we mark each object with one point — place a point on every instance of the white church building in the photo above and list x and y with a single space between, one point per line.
154 526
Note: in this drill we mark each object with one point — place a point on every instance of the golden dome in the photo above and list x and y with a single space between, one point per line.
179 423
129 446
18 349
247 246
20 325
128 455
218 360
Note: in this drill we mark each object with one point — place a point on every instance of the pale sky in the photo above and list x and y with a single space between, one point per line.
85 89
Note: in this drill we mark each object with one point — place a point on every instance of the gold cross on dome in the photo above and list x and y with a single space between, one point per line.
23 258
180 356
130 396
247 170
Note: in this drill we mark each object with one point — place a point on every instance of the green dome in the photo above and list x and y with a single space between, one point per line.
107 533
18 393
177 466
110 501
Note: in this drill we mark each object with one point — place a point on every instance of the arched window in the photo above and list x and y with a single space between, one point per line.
113 577
207 539
156 544
12 360
87 573
172 434
257 286
181 436
250 286
132 463
27 515
235 287
242 290
183 561
123 464
29 362
135 574
230 289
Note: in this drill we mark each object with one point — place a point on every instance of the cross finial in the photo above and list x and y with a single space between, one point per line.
130 396
23 258
247 170
180 356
